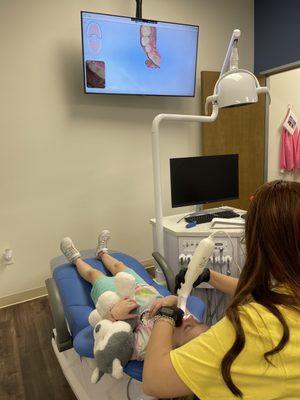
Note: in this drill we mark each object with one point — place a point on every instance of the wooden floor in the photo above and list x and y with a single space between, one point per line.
29 369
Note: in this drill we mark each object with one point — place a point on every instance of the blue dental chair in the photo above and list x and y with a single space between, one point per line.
71 303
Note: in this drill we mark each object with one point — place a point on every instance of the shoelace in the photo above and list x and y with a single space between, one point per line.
70 251
103 242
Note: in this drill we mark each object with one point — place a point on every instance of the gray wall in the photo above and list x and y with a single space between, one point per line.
277 33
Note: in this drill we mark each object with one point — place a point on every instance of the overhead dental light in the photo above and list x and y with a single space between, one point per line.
234 87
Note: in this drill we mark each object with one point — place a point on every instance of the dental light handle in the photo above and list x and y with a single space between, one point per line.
195 268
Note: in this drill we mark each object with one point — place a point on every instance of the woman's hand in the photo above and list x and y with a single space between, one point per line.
122 309
168 301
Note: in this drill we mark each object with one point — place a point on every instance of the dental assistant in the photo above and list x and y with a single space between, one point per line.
253 352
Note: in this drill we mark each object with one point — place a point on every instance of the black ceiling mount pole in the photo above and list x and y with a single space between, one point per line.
138 13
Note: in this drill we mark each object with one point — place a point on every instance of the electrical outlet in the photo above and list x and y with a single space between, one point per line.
7 257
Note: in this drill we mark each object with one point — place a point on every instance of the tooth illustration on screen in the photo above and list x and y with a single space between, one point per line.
148 38
94 36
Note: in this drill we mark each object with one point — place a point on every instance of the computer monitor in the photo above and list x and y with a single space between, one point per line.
200 180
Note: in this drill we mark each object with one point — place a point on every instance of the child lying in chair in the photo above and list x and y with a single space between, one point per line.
147 299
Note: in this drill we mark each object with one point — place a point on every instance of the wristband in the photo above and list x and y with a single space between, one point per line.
174 313
169 320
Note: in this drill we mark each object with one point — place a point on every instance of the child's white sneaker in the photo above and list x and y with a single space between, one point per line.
69 250
103 239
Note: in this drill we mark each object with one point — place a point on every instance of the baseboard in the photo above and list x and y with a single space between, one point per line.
22 297
147 263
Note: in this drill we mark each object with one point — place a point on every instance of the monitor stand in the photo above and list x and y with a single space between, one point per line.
199 211
199 208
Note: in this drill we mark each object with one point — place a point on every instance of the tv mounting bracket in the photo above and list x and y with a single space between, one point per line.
138 13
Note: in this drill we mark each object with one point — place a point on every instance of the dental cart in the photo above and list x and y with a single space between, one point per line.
228 257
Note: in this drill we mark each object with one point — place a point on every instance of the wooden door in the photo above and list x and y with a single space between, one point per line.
238 130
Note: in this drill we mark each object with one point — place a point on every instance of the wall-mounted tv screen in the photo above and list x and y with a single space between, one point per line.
123 55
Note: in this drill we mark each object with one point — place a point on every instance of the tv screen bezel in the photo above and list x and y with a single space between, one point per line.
141 20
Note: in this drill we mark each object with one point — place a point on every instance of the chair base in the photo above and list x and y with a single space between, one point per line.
78 371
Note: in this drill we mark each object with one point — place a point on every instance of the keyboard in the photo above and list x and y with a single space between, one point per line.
204 218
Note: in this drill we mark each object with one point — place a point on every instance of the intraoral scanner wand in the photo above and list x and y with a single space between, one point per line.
195 268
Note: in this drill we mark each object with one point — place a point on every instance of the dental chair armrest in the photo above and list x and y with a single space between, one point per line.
63 338
168 273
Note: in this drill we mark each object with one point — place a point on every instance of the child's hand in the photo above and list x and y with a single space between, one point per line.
168 301
122 310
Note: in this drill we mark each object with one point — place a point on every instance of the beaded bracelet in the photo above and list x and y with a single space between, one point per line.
169 320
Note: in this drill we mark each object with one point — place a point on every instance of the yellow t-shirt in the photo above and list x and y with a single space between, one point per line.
198 362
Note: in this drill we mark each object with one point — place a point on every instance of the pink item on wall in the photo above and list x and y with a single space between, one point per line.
297 150
286 159
289 159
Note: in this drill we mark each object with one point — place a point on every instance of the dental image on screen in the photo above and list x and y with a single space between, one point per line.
127 56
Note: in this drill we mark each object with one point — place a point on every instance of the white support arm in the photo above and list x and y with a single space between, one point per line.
235 36
157 167
265 90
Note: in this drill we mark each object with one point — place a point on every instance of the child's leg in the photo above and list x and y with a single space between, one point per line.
111 263
115 266
87 272
73 256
